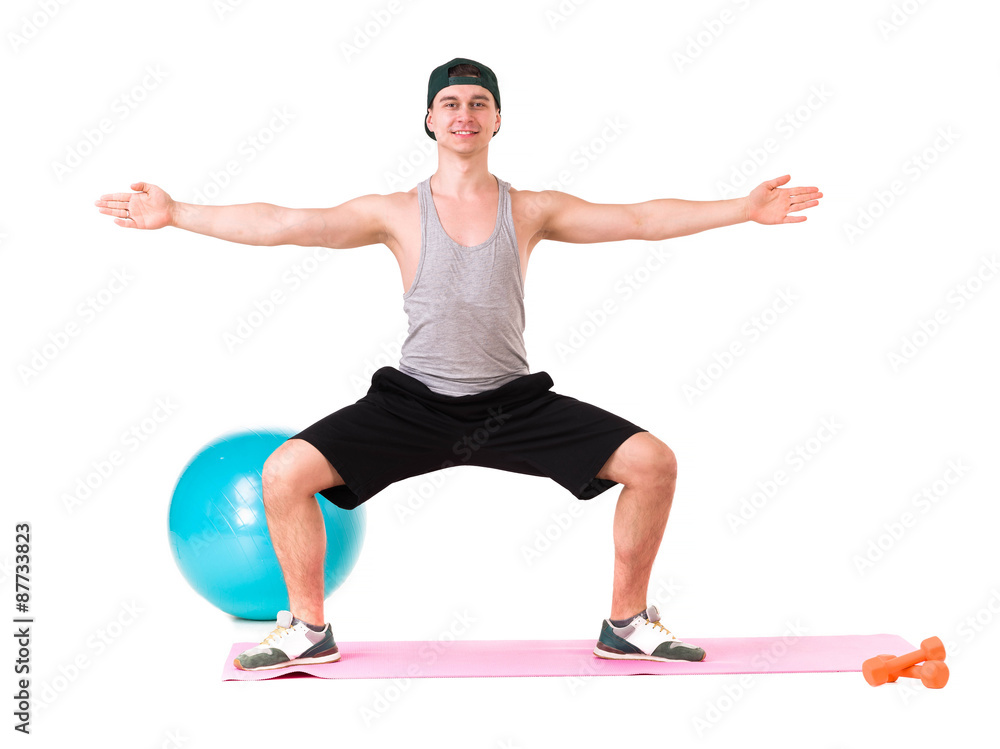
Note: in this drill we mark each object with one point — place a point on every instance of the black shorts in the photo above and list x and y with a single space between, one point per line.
402 428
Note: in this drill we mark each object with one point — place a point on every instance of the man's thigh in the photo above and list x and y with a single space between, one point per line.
373 443
557 436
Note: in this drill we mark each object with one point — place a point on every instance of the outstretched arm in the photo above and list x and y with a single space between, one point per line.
569 219
356 223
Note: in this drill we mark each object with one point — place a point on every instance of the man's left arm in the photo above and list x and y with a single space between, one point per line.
570 219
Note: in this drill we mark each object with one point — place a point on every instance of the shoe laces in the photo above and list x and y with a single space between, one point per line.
277 634
657 624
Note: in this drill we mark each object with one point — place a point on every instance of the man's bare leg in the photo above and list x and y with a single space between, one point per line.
292 475
647 469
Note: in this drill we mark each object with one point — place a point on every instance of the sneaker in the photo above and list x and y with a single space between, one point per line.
644 639
291 643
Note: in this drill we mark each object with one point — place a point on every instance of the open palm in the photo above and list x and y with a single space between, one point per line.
149 208
769 203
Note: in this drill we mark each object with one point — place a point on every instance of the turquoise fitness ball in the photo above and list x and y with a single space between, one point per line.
218 529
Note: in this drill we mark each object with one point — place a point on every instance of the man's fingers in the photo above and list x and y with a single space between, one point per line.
111 203
119 212
116 204
810 197
806 197
124 196
804 192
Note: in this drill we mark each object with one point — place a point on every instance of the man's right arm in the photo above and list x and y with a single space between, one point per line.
356 223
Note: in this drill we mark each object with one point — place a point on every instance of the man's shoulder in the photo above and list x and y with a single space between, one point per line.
528 198
396 200
535 205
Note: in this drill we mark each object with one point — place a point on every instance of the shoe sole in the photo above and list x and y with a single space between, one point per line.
640 657
294 662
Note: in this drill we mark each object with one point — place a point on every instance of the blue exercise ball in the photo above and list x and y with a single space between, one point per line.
219 536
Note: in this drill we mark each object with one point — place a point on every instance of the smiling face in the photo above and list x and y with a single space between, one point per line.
463 117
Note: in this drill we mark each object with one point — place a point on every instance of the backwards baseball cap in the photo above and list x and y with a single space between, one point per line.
440 79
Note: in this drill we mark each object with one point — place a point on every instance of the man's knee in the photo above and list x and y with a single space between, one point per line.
297 468
641 459
659 463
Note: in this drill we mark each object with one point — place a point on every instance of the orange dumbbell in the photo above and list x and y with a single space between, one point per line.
932 674
877 671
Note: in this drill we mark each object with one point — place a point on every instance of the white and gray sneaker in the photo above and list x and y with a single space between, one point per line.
291 643
644 639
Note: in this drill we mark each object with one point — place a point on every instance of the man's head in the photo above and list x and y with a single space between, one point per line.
462 95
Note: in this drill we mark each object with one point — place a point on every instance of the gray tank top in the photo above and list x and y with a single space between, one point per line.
465 306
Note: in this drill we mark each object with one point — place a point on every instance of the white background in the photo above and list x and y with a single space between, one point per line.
893 77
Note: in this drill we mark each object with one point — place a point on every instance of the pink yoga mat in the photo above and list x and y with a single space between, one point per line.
464 658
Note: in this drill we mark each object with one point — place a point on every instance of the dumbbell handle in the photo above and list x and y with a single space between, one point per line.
911 659
932 674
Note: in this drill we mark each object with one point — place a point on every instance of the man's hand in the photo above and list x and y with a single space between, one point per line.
771 204
149 208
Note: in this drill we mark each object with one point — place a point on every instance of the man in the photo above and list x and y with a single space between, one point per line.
463 394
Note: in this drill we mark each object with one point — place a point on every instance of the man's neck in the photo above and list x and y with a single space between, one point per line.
462 177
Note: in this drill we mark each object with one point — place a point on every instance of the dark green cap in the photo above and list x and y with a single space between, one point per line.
440 79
